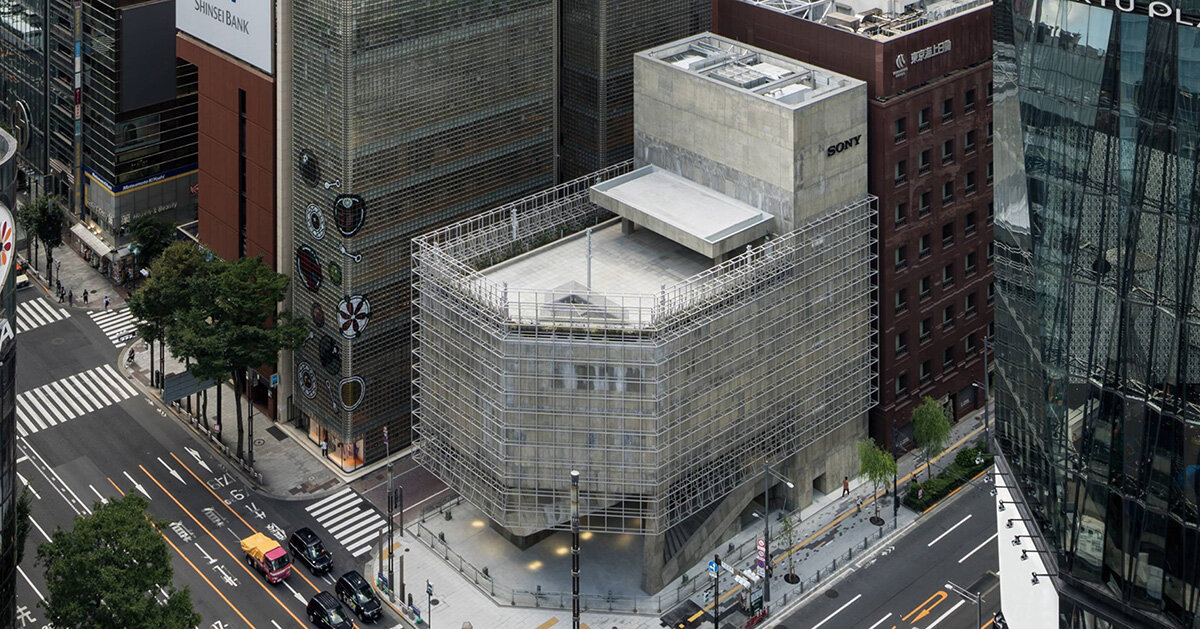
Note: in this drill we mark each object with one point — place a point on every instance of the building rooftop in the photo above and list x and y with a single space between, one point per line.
701 219
749 69
876 19
622 264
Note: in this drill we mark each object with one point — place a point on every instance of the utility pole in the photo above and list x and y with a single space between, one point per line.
387 453
428 605
574 549
716 575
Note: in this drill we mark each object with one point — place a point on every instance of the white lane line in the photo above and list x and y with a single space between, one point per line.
881 620
103 500
25 481
947 532
985 543
35 590
39 528
294 592
945 615
276 625
43 467
839 610
23 458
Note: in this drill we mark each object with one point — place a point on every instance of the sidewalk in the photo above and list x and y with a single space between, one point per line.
76 276
832 532
287 471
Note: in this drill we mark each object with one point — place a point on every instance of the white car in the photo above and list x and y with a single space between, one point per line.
22 281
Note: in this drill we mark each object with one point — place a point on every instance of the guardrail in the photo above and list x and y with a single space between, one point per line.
618 603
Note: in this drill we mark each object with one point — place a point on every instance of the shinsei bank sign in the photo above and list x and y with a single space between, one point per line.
242 28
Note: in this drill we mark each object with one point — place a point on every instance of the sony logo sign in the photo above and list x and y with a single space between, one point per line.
843 145
1156 9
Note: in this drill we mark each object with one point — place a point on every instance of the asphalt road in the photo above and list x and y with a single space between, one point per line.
904 587
88 438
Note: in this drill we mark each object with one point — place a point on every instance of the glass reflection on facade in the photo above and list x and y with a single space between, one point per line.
8 400
1098 347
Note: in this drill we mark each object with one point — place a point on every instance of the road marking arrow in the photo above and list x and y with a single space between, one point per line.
173 472
207 557
196 455
297 594
137 486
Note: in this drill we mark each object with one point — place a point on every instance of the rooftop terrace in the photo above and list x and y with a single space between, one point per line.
750 69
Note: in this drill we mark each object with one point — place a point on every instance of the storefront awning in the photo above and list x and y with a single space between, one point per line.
90 240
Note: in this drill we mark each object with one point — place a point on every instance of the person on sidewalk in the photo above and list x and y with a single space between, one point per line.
61 295
845 486
324 449
106 303
58 285
57 267
71 297
85 296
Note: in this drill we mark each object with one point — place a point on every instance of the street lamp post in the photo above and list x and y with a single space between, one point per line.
767 473
574 549
973 597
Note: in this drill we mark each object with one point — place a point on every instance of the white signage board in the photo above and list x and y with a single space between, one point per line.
242 28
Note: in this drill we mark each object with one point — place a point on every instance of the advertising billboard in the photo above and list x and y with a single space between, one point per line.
243 29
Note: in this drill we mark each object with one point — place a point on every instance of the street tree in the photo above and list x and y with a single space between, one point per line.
789 532
175 276
233 326
876 464
151 235
931 430
43 221
107 572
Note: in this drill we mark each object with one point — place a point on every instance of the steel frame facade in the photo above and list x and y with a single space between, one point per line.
665 402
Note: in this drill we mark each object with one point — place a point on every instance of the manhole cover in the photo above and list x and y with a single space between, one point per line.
433 601
259 442
831 593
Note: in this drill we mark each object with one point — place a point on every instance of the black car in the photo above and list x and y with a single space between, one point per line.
353 590
324 612
306 546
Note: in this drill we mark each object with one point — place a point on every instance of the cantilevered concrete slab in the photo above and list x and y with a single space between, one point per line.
696 217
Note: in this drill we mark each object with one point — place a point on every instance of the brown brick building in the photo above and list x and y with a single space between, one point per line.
236 215
928 68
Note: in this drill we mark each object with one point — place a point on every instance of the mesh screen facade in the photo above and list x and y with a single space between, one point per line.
406 116
664 402
599 39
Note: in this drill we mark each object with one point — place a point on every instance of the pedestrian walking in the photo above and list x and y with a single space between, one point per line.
58 284
71 297
85 296
324 449
106 303
61 295
57 266
845 486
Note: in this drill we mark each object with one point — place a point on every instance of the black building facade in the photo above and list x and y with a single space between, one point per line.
1098 305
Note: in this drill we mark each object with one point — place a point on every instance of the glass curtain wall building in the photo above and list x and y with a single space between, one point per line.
1098 328
406 116
599 39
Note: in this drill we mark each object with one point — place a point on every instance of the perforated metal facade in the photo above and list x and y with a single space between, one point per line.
665 402
413 114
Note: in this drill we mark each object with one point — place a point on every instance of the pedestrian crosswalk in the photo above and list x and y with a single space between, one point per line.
351 520
38 312
119 326
63 400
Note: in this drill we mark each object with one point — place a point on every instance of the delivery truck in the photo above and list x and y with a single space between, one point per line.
267 556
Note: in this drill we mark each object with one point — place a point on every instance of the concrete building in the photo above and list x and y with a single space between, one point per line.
928 69
1097 359
664 329
598 39
405 116
109 125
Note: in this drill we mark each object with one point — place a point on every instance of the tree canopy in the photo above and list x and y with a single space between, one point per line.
106 572
931 430
151 235
42 219
877 464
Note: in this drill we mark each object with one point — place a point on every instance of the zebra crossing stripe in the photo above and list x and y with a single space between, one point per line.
38 312
314 507
347 524
342 500
116 324
76 395
349 519
366 533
